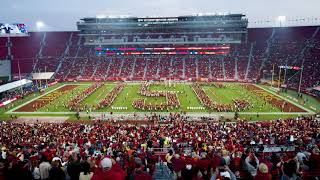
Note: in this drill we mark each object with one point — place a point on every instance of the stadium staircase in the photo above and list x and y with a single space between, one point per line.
236 75
69 43
85 64
158 67
83 68
64 54
162 172
39 55
145 68
249 61
267 52
170 69
69 70
308 44
108 68
74 58
42 43
223 67
121 66
197 68
210 68
133 67
96 68
61 58
184 67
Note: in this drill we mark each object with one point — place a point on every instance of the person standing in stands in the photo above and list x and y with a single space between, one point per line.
85 173
73 167
168 158
252 164
56 172
44 168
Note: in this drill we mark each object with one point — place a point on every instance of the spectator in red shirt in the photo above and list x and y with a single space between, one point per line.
109 171
139 174
177 165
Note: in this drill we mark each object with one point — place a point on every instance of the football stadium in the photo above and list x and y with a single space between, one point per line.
199 96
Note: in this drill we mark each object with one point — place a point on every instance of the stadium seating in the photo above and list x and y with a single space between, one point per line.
139 68
3 48
153 66
204 67
65 68
77 68
102 68
165 67
114 68
265 47
127 67
191 67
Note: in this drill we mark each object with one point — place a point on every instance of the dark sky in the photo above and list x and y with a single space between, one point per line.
62 15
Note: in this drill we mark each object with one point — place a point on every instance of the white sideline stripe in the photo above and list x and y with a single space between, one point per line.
286 99
21 105
80 84
37 119
166 113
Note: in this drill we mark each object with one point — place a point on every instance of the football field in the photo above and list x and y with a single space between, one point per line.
260 102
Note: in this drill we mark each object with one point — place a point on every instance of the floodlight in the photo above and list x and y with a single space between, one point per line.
40 24
282 18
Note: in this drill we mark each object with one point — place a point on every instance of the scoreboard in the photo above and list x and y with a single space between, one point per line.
13 29
209 50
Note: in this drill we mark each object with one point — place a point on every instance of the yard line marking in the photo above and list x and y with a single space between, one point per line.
21 105
286 99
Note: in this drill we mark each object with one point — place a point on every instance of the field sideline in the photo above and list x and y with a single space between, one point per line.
122 106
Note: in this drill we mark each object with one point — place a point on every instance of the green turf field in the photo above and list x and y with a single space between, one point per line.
225 96
188 101
306 100
58 104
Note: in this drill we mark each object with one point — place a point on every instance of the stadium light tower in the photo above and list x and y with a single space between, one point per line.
40 25
282 20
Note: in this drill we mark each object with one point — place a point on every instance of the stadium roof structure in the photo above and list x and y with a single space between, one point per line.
101 16
317 88
42 76
13 85
164 17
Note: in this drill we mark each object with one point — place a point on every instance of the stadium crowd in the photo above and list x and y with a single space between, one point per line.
286 149
16 93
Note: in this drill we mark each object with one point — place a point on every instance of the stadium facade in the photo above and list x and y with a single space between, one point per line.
182 30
